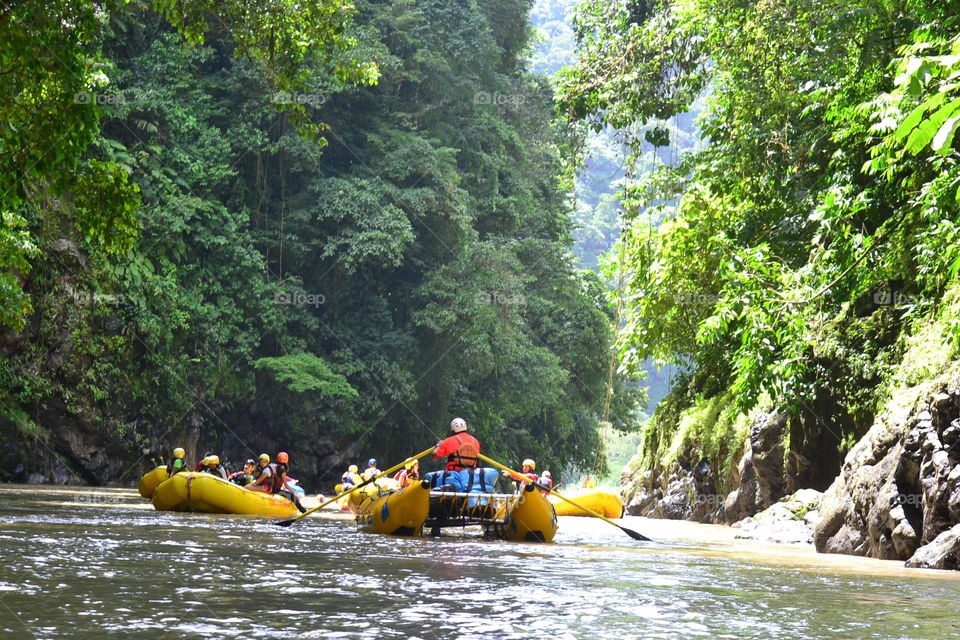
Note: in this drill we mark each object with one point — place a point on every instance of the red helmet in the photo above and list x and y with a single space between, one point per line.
282 457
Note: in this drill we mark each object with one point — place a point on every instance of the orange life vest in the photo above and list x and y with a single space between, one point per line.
465 456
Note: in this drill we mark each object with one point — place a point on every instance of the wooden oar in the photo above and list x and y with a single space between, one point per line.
630 532
287 523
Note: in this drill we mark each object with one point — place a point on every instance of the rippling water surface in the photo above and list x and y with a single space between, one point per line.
83 563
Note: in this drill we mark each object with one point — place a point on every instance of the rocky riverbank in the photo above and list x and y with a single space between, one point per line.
897 495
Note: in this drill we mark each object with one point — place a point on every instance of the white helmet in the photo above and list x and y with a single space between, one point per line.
458 425
546 474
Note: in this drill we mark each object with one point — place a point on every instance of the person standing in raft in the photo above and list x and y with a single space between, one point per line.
245 477
177 463
408 475
527 475
460 448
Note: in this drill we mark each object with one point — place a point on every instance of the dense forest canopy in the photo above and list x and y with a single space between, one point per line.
816 230
327 228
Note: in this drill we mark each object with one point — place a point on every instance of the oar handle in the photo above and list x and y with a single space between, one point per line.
632 534
287 523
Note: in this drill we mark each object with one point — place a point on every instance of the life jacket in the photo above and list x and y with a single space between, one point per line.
405 477
522 484
217 471
465 457
276 471
181 467
548 483
240 478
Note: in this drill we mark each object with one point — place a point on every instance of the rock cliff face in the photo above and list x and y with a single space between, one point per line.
694 488
899 488
896 494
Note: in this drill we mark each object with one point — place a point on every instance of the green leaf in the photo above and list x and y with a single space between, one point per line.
944 138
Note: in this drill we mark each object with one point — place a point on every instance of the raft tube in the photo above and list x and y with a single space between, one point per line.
372 490
603 502
206 493
150 481
396 513
530 518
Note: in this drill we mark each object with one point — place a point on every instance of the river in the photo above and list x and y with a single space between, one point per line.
101 562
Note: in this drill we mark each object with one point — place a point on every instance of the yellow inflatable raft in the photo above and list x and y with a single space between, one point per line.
529 518
205 493
150 481
397 513
605 503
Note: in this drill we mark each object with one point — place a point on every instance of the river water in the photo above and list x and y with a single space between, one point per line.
102 563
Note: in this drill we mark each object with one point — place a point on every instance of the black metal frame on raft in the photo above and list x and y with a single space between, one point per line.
453 509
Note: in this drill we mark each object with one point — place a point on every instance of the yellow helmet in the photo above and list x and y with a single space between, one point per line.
213 461
530 463
411 464
352 468
206 461
179 452
264 457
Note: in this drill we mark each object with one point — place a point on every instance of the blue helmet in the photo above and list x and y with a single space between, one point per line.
372 462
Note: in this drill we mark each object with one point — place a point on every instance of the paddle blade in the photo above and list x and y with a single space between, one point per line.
636 536
284 523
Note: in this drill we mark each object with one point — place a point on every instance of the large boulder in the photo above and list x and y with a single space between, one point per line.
760 471
899 487
942 553
788 521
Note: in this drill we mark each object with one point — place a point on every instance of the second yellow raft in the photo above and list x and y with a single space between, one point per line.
605 503
205 493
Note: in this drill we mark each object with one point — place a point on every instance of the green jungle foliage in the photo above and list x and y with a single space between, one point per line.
797 250
324 227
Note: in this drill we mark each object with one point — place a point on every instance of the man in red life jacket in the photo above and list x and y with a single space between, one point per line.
460 448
